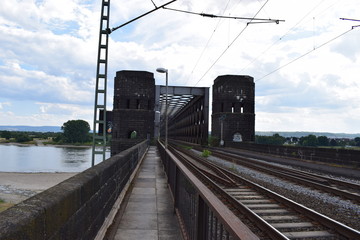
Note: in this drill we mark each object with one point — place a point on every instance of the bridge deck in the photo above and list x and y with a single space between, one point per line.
148 211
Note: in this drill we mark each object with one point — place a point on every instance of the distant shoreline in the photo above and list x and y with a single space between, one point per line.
44 145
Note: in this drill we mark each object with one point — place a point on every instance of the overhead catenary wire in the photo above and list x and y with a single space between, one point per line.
251 20
109 31
284 35
234 40
303 55
153 3
351 19
207 44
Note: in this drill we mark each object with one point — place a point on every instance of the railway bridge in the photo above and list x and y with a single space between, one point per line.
149 190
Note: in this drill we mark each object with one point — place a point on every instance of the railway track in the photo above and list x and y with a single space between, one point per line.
276 216
337 187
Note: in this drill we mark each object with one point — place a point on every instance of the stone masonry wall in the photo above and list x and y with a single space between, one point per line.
133 110
343 157
233 108
76 208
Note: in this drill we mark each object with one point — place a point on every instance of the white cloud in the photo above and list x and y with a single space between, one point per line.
35 85
47 115
75 111
309 119
49 49
4 105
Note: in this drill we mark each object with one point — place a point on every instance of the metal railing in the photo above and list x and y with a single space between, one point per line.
201 214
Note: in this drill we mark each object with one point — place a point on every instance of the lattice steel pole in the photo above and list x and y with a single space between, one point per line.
99 138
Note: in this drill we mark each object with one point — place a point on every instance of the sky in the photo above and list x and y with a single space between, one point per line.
306 69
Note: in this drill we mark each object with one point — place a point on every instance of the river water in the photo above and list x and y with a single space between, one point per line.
14 158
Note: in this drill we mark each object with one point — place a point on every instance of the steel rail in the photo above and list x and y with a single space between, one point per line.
332 224
233 225
326 184
214 169
322 219
304 178
330 180
195 167
263 225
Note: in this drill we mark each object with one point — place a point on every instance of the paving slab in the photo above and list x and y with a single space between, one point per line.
149 213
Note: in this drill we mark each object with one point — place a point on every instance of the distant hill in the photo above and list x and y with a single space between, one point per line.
31 128
302 134
261 133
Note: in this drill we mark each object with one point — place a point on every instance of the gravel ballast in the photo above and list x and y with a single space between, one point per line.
339 209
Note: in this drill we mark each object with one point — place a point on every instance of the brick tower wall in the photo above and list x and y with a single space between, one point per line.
234 106
134 101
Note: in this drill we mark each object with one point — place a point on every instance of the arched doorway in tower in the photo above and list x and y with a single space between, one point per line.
132 134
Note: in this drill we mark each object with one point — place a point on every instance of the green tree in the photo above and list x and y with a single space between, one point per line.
312 141
323 141
295 139
22 137
357 141
333 143
275 139
76 131
309 141
6 134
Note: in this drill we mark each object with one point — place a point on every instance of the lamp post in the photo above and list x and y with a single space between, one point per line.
163 70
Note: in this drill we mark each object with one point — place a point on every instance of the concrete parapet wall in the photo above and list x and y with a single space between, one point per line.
119 145
75 208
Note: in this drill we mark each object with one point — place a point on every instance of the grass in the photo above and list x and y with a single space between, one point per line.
4 205
186 147
52 143
206 153
233 167
347 148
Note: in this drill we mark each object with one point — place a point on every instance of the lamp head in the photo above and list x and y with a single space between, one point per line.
161 70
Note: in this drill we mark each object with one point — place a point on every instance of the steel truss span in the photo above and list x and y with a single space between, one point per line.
188 113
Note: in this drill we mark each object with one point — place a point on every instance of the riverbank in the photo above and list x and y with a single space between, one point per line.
16 187
44 145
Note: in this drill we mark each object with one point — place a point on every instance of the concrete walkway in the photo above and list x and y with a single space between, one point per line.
149 212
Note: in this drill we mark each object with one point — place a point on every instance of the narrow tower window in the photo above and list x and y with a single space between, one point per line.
137 104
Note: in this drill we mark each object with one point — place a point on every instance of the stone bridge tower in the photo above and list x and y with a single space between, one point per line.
133 110
233 109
